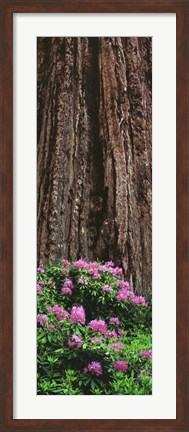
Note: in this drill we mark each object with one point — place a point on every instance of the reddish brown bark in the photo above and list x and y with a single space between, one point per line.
94 152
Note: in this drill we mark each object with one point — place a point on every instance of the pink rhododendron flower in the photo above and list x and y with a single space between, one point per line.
50 325
98 326
74 341
139 300
102 268
109 264
93 264
39 289
68 283
121 366
77 314
65 271
111 334
114 320
41 319
146 353
65 262
120 332
123 284
117 271
131 295
83 281
94 368
117 346
96 276
59 311
41 270
80 264
107 288
66 291
122 294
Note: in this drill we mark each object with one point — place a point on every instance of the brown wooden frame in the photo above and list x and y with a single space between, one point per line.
7 8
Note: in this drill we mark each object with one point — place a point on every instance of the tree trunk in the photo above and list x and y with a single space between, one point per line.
94 152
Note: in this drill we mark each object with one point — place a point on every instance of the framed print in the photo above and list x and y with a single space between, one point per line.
94 171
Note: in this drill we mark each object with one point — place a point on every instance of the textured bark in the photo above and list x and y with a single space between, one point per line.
95 152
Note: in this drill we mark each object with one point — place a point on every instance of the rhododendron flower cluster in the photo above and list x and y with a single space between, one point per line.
117 345
114 320
39 288
59 311
146 353
67 287
75 341
98 326
120 332
123 284
41 270
65 262
94 368
77 314
83 281
107 288
125 294
80 264
117 271
121 366
122 294
139 300
41 319
111 334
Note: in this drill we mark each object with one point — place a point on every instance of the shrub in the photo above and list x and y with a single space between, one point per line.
94 332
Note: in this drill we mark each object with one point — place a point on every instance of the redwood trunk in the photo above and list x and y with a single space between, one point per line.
95 153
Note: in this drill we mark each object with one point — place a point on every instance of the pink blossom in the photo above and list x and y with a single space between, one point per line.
68 283
102 268
65 271
96 276
77 314
120 332
80 264
39 289
41 270
114 320
98 326
50 325
41 319
59 311
146 354
123 284
93 264
74 341
66 291
139 300
122 294
121 366
94 368
83 281
117 346
111 334
107 288
65 262
109 264
117 271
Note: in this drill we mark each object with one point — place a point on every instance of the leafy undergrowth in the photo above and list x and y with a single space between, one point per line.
93 332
